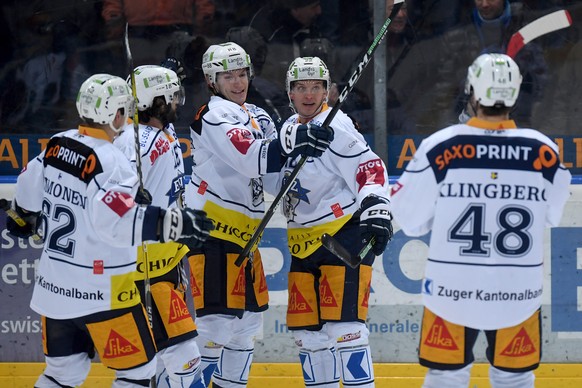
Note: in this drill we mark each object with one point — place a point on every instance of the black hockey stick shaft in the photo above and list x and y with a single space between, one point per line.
146 281
339 251
354 77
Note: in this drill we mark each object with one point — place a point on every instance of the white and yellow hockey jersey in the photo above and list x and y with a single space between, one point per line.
329 189
162 169
90 224
485 191
230 145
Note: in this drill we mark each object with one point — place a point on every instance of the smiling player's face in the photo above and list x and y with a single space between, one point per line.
233 85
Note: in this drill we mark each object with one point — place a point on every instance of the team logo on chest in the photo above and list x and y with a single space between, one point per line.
296 194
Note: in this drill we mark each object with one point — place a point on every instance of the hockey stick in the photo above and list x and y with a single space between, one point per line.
355 76
335 247
5 205
544 25
146 271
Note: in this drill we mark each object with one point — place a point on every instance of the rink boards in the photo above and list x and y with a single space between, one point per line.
394 315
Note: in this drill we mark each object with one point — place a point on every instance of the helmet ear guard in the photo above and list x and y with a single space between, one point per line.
494 80
101 96
223 57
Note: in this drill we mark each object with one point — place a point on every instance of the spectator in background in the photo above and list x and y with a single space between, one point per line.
188 51
153 24
262 91
564 112
409 75
285 25
51 43
492 24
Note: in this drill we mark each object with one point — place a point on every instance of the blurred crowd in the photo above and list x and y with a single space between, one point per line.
50 47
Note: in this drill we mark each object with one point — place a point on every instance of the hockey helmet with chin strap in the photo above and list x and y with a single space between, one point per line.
494 80
156 81
101 96
223 57
307 69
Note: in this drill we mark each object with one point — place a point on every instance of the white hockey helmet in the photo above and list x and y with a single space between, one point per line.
101 96
495 80
307 68
223 57
156 81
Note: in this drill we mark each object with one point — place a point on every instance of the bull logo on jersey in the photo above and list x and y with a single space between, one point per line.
296 194
257 191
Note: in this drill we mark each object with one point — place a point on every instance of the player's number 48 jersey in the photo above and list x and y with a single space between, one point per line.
486 196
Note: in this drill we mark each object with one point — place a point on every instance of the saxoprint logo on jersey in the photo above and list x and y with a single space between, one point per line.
481 151
478 152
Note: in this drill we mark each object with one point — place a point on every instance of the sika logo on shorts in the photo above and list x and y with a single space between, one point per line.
519 346
440 337
326 298
118 342
172 308
297 302
235 283
302 302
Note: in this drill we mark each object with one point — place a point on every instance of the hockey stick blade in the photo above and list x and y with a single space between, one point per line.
544 25
355 76
5 205
334 246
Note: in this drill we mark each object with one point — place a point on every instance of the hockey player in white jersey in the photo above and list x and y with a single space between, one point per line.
159 93
343 193
234 144
486 191
82 189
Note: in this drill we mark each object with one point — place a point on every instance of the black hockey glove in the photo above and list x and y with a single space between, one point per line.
304 139
143 197
376 220
186 226
175 65
29 218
